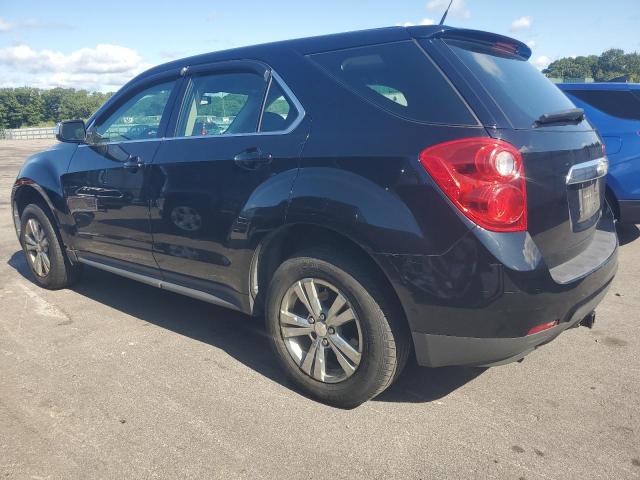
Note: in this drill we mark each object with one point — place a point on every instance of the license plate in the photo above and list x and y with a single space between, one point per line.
588 201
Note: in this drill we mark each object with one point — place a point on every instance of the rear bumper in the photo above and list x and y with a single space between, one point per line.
629 211
475 304
441 350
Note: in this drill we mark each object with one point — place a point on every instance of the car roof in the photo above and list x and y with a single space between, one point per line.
607 86
306 45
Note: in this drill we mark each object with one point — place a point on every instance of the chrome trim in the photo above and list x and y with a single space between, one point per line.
197 294
162 284
154 139
587 171
154 282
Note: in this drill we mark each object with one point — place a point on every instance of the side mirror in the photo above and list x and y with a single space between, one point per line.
71 131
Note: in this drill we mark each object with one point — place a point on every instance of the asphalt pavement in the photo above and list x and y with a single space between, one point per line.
114 379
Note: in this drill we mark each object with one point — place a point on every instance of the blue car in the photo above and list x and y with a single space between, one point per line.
614 109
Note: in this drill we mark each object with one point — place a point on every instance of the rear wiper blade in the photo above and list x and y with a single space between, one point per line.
573 115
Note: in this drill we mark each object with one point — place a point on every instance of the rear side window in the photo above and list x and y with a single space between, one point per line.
621 104
400 78
278 113
221 104
517 87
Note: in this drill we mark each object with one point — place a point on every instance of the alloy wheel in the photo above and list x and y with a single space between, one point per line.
321 330
37 246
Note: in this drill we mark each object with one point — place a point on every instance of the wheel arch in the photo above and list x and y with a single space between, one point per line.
293 238
26 192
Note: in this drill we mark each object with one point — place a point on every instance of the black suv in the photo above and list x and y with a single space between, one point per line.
371 194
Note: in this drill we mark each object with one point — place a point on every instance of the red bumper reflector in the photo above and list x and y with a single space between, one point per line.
542 327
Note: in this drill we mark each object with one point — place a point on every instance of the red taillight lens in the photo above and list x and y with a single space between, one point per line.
542 327
484 178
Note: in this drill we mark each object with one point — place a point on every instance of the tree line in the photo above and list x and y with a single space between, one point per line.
612 64
27 107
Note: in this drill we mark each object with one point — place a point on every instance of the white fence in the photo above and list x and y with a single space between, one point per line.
28 133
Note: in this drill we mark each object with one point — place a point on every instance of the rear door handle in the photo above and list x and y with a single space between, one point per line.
252 159
133 163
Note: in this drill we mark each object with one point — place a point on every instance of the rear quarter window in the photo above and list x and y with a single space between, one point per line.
400 78
617 103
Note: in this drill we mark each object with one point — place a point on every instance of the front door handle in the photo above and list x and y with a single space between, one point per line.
252 159
133 163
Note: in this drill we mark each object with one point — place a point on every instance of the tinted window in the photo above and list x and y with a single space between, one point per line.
621 104
519 89
398 77
279 113
136 119
221 104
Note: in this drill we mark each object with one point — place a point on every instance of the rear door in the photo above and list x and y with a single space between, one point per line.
222 181
565 188
105 186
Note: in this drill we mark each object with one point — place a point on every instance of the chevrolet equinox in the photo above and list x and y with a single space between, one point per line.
372 194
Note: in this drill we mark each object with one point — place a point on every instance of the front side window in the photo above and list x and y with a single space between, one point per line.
136 119
221 104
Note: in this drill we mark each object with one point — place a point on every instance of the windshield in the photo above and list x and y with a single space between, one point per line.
519 89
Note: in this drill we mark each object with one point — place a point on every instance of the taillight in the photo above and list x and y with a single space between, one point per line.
484 178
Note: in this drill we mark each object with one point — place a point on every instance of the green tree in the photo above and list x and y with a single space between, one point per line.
32 105
610 64
25 106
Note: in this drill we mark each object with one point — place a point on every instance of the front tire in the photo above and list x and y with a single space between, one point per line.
334 327
42 246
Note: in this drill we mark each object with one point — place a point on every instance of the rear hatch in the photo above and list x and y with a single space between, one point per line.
516 103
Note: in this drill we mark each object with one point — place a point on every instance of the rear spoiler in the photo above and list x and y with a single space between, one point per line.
490 40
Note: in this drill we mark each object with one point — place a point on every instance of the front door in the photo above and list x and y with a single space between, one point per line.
105 186
219 184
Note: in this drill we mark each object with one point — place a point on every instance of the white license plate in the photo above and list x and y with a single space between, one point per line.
588 201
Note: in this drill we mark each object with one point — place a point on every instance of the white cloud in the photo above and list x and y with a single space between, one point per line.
531 44
103 67
4 25
458 8
33 24
542 62
521 23
424 21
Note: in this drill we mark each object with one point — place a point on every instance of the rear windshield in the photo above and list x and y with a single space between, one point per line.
400 78
517 87
621 104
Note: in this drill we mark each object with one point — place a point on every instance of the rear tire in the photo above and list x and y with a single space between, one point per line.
44 251
368 328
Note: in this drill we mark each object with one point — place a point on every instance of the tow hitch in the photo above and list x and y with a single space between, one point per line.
589 320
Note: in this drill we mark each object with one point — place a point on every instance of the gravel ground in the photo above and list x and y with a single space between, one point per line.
115 379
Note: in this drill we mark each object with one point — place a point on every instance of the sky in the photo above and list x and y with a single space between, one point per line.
100 45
